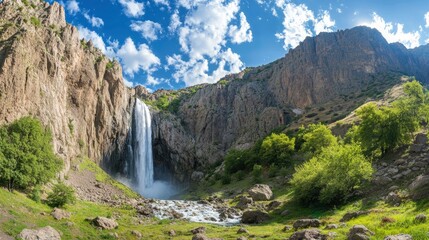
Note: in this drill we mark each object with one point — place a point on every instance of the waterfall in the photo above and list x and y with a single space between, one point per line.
142 148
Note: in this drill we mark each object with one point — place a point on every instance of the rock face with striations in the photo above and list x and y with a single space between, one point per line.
48 73
247 106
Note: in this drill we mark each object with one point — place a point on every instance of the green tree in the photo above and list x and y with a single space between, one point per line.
26 154
61 195
237 160
315 137
277 149
331 176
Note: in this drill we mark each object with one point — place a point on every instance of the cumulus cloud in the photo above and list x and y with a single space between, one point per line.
174 21
72 7
203 35
242 34
427 20
162 2
387 29
148 29
94 21
135 59
132 8
300 22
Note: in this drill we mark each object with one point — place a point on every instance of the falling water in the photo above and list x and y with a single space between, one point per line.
142 148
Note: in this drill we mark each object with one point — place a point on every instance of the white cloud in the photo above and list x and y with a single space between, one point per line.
132 8
162 2
135 59
94 21
427 20
148 29
72 7
174 22
298 22
409 39
323 23
242 34
203 36
128 83
339 10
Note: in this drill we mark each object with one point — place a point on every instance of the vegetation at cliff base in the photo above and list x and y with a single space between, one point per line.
27 158
61 195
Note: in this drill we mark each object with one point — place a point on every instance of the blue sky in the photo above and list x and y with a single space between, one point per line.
178 43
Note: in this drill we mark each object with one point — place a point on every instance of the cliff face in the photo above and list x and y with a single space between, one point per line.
47 72
245 107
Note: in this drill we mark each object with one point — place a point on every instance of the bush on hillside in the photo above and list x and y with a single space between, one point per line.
239 160
314 138
277 149
331 176
27 158
61 195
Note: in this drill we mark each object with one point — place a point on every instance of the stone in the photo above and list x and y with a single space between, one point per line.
393 170
200 236
421 218
244 202
172 233
382 180
399 237
359 232
419 188
199 230
59 214
197 176
104 223
45 233
273 205
350 215
308 234
137 234
400 161
331 226
242 230
254 217
393 199
285 212
242 238
421 138
260 192
287 228
306 223
416 148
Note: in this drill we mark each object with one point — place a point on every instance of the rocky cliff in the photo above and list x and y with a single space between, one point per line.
47 72
244 107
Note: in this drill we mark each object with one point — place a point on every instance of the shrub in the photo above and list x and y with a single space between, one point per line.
314 138
226 179
35 194
110 65
332 175
236 160
61 195
277 149
35 21
27 158
257 173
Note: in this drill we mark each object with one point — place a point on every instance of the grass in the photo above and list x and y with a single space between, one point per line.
102 176
35 21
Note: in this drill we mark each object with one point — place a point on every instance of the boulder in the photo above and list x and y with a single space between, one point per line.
399 237
306 223
171 233
285 212
59 214
382 180
287 228
45 233
104 223
350 215
416 148
261 192
419 188
393 199
421 138
254 217
137 234
421 218
273 205
200 236
308 234
242 230
359 232
199 230
331 226
244 202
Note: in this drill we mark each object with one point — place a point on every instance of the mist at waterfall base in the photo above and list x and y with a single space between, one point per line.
139 166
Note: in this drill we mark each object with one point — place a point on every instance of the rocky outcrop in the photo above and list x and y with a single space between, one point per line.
245 107
260 192
48 73
45 233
